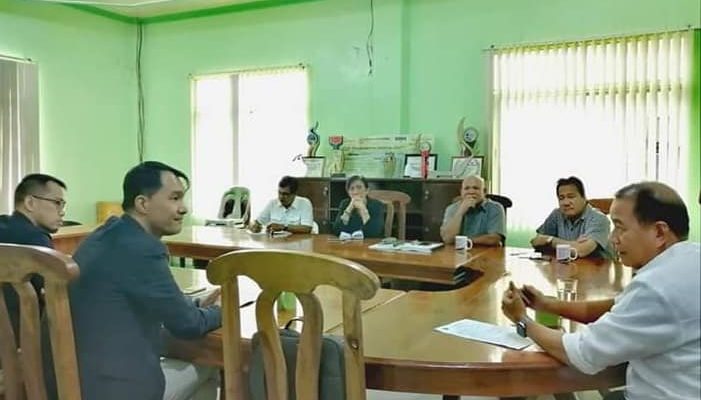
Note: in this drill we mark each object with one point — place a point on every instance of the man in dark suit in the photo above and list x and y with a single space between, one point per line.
39 209
126 294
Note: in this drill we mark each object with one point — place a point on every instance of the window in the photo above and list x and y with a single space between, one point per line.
247 129
19 126
608 111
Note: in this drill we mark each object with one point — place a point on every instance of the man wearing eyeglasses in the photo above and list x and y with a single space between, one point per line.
39 211
288 212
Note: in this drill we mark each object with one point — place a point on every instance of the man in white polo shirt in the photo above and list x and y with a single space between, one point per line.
654 323
288 212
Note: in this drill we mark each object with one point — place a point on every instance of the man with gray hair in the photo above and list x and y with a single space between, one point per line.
474 215
654 323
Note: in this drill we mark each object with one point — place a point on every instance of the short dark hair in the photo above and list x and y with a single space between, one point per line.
289 182
145 179
572 180
655 201
32 184
356 178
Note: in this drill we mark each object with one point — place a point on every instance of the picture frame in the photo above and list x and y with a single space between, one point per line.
462 167
412 164
315 166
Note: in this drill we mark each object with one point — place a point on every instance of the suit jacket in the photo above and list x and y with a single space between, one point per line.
124 295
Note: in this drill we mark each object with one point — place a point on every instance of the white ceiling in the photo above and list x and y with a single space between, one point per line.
152 8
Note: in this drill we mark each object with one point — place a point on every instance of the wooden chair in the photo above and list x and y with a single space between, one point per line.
23 370
299 272
603 204
390 198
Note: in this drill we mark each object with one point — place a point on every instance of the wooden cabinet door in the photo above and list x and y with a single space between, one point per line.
317 191
437 195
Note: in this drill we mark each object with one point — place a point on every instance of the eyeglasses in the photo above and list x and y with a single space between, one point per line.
59 203
285 194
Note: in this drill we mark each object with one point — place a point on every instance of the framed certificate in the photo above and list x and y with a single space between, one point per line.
315 166
466 166
412 164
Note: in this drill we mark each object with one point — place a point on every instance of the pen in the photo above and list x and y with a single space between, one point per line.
246 304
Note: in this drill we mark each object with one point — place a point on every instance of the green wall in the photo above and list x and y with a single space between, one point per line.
86 99
430 69
430 63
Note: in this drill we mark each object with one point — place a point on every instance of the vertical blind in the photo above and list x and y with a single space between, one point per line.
19 127
609 111
247 128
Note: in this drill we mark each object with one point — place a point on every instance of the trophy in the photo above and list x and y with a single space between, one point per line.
425 148
313 140
336 164
389 164
467 137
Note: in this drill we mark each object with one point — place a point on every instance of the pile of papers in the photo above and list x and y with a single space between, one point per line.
414 246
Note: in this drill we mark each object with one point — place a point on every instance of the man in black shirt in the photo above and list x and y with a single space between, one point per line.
39 210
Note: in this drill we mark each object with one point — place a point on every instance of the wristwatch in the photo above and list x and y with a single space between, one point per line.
521 326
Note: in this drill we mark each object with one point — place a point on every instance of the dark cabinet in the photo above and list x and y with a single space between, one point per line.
429 198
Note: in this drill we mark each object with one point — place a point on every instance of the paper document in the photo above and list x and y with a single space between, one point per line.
411 246
488 333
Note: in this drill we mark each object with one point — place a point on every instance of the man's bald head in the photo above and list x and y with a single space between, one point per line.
473 186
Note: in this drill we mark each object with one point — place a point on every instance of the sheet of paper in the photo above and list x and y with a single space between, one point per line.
488 333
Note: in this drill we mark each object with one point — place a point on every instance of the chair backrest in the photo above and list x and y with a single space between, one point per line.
503 200
236 203
394 200
604 204
298 272
23 370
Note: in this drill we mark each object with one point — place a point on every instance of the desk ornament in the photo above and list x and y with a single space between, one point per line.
425 149
390 164
467 138
314 164
336 163
313 139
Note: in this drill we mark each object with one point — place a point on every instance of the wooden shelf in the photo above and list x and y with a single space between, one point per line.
429 198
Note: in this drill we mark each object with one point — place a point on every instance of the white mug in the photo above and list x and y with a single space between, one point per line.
463 243
565 252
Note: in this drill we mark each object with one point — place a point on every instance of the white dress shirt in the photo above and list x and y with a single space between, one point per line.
299 213
654 326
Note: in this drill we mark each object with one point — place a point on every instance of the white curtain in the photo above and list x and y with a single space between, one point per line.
248 127
19 127
608 111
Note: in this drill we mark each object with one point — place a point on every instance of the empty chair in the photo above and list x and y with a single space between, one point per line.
301 274
603 204
236 203
23 370
393 200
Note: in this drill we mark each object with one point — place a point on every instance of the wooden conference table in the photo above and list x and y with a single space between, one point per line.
402 350
208 242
